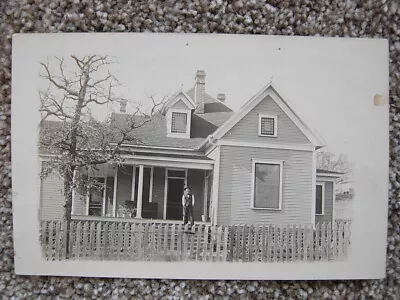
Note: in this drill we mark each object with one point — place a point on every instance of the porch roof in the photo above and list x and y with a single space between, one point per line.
170 160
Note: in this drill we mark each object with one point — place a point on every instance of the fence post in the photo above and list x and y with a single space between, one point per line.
329 241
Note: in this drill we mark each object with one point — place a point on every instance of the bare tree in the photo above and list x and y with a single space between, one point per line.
328 161
76 140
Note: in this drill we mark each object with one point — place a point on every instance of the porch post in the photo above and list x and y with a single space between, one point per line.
140 193
205 213
115 192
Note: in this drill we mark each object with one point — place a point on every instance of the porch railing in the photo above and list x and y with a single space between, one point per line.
100 240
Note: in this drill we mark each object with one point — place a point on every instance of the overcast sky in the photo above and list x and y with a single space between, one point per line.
330 82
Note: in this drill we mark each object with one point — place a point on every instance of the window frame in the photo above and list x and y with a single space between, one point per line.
186 134
260 117
253 183
322 184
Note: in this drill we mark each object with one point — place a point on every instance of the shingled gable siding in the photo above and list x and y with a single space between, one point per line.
328 203
234 204
52 198
180 105
246 130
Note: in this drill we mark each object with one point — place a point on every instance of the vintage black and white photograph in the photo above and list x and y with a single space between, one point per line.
182 149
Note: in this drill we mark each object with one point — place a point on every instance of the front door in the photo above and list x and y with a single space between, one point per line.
174 198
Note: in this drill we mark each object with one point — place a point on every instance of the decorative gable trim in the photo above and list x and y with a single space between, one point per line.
179 96
268 90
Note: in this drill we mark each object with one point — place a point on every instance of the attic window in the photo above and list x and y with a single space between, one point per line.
268 125
179 122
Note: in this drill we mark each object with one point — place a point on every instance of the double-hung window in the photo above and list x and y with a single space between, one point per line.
267 185
319 199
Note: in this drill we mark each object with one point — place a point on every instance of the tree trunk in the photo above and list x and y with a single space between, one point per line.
68 187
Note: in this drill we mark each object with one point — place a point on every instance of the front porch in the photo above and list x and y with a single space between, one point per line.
146 189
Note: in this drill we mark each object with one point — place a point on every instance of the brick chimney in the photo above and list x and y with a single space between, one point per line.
122 107
221 97
199 90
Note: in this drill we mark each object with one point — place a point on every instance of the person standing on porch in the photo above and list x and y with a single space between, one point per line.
187 204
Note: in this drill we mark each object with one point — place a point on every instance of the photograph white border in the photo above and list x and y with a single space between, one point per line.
371 174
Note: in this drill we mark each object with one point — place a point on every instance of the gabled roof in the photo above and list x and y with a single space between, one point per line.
268 90
211 105
153 132
179 96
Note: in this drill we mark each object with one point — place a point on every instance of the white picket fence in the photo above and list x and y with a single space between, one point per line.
109 240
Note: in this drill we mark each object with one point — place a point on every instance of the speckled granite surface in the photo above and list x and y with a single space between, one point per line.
321 17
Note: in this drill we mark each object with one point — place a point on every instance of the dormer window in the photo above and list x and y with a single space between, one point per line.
268 125
178 123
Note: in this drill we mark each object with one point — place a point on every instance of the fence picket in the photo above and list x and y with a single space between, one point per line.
198 242
50 243
281 243
298 242
158 241
347 229
322 241
224 255
212 243
236 240
329 241
165 240
78 240
172 245
92 239
179 242
43 235
64 241
192 243
257 233
340 240
85 229
98 240
250 243
218 252
185 243
127 232
119 240
134 242
205 243
57 237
